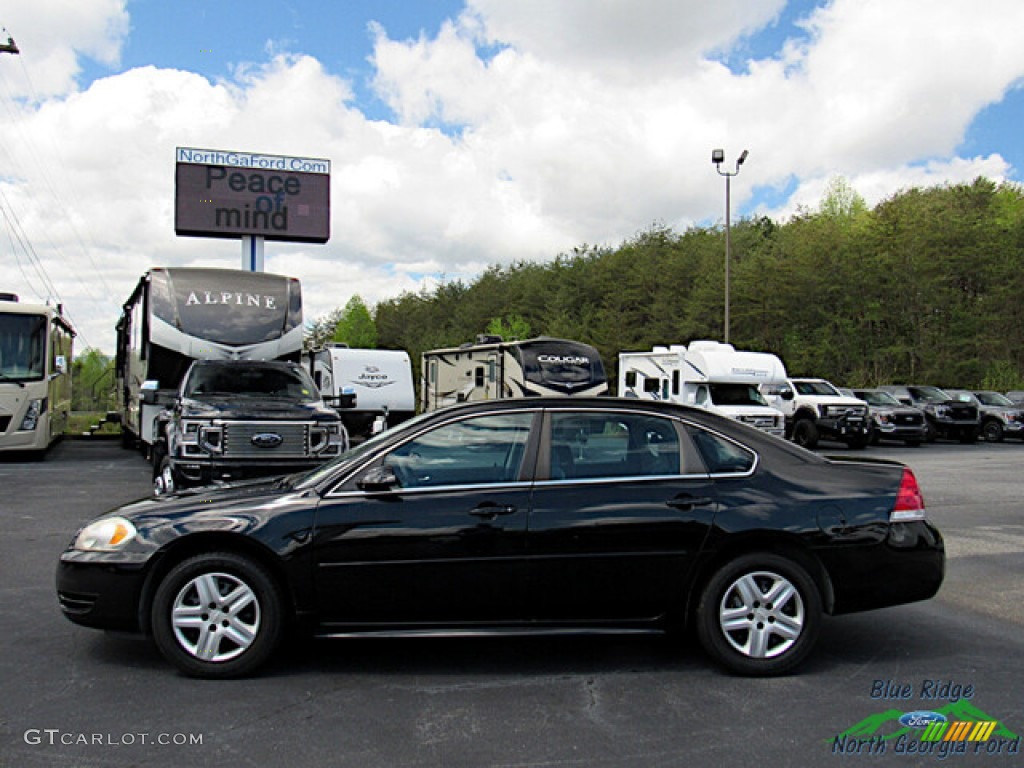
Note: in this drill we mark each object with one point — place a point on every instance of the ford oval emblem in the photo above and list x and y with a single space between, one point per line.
266 440
921 719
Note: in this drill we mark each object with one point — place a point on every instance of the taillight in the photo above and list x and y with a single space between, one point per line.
909 501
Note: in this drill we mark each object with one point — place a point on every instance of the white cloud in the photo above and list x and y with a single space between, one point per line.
54 33
522 129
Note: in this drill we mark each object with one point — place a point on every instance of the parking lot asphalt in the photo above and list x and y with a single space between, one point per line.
78 697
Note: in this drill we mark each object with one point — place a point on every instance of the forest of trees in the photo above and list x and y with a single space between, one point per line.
927 286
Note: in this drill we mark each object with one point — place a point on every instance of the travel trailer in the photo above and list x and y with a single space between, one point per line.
493 369
380 379
709 375
35 374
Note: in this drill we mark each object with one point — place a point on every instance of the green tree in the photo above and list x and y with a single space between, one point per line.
356 326
92 374
509 327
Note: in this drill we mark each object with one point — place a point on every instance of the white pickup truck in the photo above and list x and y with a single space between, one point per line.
815 409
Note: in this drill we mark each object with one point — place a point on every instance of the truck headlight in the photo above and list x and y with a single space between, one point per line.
107 535
31 420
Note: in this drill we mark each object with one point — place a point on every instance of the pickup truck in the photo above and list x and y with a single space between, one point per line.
814 409
237 419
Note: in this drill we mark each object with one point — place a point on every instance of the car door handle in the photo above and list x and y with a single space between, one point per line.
489 510
689 502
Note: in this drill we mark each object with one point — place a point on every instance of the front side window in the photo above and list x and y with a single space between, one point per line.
484 450
598 445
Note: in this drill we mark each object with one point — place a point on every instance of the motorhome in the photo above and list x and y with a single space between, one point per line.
493 369
380 379
35 374
707 374
175 316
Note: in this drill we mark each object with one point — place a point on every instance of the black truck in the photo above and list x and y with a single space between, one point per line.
238 419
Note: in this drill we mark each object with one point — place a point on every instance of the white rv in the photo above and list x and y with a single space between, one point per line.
380 379
709 375
493 369
35 374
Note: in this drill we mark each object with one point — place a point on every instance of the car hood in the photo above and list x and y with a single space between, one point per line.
251 408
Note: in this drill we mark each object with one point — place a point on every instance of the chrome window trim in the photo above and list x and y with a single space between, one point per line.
333 494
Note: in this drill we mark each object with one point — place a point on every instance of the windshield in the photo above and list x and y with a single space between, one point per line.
815 388
876 398
932 394
22 346
993 398
736 394
250 380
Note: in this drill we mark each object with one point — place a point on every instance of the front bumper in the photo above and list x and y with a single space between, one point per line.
204 472
844 427
101 589
901 432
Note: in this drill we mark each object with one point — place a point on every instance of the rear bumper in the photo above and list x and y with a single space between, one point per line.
908 566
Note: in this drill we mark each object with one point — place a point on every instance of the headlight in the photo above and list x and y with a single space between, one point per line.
35 407
107 535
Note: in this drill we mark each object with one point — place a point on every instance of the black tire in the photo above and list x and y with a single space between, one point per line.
992 431
931 433
805 433
241 634
778 637
970 435
166 479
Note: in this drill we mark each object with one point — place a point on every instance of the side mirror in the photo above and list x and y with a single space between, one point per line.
379 479
149 389
60 364
347 399
786 394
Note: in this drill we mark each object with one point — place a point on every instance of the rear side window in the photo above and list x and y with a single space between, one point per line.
610 445
722 456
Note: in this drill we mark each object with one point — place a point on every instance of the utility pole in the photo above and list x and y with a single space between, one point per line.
718 157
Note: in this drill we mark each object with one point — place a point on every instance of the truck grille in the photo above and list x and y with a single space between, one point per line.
239 444
963 412
761 422
908 419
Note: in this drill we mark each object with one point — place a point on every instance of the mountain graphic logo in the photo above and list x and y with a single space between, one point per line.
887 724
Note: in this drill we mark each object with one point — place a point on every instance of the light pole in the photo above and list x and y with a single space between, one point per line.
718 157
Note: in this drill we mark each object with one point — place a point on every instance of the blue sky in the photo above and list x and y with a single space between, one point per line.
473 132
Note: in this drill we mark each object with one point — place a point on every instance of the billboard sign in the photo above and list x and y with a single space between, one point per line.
232 194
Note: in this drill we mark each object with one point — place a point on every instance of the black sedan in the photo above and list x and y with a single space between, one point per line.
532 515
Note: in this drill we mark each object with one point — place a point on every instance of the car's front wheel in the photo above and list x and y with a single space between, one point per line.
805 433
992 431
217 615
759 615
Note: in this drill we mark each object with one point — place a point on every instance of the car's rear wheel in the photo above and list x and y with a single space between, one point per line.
759 615
217 615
